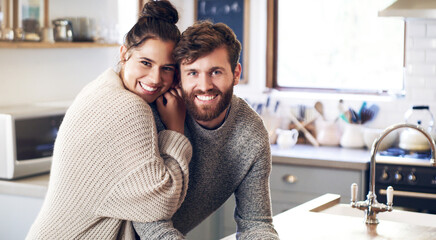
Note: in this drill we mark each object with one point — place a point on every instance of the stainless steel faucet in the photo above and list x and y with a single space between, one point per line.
371 206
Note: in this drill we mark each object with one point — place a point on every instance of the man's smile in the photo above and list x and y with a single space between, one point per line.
206 97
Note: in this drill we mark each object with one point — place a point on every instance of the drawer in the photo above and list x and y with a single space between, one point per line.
315 180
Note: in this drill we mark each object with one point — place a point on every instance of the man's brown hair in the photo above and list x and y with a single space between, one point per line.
203 38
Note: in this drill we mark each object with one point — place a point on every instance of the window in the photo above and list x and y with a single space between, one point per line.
335 46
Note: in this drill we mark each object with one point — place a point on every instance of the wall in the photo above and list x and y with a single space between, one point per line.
29 75
39 75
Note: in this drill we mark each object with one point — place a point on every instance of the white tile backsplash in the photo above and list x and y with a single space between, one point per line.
431 29
421 43
418 56
417 29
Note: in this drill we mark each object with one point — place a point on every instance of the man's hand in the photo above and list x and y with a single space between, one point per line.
173 111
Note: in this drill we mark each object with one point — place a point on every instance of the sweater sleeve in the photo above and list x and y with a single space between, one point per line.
152 181
253 213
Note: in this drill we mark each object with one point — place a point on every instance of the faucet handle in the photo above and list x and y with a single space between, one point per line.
354 188
390 195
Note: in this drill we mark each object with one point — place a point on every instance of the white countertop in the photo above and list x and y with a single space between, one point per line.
323 156
35 186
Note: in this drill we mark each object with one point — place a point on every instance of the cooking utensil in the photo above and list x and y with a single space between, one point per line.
353 114
309 136
369 114
320 108
363 106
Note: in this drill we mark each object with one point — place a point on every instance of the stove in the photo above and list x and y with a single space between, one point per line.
411 176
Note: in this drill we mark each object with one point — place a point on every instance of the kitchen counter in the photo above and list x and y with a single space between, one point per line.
34 186
312 220
323 156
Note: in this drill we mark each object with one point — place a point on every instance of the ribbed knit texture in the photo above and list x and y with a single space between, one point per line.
234 158
110 165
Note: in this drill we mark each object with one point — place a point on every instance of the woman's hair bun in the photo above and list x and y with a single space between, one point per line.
162 10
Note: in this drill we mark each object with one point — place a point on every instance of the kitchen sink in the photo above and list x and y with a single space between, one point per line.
401 216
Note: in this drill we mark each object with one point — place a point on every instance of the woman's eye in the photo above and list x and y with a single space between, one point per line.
168 69
146 63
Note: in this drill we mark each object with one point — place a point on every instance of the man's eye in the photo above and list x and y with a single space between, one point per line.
216 72
192 74
146 63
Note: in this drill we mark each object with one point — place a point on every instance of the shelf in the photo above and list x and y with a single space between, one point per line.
56 45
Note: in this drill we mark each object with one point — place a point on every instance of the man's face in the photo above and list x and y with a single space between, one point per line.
207 86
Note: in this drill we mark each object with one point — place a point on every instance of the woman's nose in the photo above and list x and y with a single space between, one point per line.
154 75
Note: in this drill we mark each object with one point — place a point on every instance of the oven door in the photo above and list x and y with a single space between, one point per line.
414 186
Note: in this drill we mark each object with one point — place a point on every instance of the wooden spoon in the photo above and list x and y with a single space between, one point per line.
320 108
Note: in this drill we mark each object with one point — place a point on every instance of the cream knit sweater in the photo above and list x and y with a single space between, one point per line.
111 165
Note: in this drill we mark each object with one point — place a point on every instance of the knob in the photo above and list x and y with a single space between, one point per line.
385 175
354 188
290 178
389 195
411 177
398 176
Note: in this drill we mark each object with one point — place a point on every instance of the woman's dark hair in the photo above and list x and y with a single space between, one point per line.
157 20
203 38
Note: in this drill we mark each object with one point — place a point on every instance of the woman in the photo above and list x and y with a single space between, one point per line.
110 165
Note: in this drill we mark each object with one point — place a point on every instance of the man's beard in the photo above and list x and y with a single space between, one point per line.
207 112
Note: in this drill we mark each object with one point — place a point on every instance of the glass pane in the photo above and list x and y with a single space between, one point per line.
339 44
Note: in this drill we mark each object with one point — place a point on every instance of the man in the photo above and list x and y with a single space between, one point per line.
231 152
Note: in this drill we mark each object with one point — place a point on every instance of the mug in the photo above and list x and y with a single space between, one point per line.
286 138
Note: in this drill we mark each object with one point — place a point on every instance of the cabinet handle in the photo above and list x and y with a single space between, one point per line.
290 178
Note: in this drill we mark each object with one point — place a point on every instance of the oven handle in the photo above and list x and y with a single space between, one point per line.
410 194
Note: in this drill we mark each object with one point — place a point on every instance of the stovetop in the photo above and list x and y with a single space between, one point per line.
404 157
398 152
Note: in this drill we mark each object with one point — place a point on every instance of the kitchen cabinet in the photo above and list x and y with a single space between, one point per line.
21 201
17 215
292 185
305 172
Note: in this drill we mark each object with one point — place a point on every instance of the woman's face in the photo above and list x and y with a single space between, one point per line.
148 70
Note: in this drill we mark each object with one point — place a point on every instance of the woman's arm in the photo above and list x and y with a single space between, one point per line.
156 169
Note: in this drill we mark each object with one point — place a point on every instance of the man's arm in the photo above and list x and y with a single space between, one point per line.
160 230
253 213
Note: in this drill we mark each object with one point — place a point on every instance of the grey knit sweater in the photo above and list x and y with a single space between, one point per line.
234 158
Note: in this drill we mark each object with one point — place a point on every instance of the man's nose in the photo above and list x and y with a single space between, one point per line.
204 83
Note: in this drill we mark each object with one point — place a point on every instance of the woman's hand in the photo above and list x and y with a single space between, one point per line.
172 113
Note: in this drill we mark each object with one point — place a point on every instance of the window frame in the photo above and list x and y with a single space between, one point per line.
272 56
